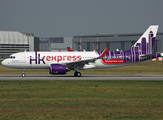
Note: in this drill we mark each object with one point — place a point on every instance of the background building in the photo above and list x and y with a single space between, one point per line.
55 44
114 41
13 42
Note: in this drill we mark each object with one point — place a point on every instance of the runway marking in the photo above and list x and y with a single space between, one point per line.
83 77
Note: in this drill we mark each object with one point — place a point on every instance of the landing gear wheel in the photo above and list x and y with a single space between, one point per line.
23 75
77 74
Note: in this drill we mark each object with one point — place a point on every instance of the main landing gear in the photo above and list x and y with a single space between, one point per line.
77 74
23 74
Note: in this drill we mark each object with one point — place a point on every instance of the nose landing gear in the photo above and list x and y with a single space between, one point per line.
23 74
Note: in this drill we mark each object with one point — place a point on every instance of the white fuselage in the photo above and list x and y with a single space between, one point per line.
43 60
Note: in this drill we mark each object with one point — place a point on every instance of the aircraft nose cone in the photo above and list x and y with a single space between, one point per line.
3 63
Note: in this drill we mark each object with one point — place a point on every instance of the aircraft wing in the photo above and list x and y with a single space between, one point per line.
81 63
147 56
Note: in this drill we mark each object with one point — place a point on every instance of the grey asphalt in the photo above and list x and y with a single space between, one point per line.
83 77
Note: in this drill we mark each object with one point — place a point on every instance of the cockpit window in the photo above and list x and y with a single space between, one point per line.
11 57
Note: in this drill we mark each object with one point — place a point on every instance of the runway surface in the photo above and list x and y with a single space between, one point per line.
83 77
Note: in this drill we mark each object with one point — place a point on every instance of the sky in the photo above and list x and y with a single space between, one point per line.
67 18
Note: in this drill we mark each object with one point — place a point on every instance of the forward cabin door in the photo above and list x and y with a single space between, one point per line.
23 57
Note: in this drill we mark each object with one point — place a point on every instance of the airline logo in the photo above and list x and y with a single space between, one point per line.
63 58
35 59
58 58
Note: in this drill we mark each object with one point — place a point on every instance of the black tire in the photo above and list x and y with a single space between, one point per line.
75 74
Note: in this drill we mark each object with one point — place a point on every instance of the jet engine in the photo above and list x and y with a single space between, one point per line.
57 69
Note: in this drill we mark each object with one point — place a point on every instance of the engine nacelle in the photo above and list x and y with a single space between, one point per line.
57 69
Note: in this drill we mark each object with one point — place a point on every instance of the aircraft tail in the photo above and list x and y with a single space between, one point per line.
69 49
146 41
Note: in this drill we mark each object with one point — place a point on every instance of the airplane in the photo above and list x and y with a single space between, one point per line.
62 62
69 49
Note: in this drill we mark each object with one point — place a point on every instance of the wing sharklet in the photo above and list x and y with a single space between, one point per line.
104 52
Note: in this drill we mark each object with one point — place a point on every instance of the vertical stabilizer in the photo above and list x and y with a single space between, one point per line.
146 41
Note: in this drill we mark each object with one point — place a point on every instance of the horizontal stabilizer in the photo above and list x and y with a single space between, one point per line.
147 56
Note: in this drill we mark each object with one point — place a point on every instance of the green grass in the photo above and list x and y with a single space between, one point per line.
143 67
81 100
